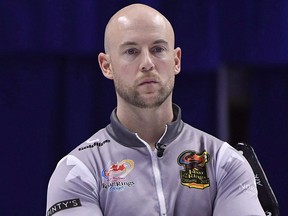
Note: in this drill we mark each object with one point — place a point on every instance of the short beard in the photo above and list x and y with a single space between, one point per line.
131 96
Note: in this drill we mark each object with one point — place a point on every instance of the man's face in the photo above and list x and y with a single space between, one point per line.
143 61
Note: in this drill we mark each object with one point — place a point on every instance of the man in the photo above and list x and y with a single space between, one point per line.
147 161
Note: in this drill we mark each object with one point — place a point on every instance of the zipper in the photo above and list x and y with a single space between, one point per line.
157 175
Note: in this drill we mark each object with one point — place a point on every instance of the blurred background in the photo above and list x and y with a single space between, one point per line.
233 84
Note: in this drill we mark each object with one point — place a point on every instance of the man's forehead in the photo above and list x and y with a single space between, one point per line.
136 22
128 31
123 20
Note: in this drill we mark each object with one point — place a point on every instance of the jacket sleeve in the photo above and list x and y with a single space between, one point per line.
72 190
237 192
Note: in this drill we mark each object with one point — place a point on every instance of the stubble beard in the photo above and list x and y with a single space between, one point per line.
134 97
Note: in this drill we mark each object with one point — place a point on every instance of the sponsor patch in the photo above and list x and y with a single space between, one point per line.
194 174
115 176
93 143
66 204
247 187
258 180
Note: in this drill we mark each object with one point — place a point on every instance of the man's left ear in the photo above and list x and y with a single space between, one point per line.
177 60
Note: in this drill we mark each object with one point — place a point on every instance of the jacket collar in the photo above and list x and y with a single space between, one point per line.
127 138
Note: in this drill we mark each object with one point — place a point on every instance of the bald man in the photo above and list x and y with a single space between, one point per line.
147 161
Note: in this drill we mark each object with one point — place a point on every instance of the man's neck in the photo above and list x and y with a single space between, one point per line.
149 124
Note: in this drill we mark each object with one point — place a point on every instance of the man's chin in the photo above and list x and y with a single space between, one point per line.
148 103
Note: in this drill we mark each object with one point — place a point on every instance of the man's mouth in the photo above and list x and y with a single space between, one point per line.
148 81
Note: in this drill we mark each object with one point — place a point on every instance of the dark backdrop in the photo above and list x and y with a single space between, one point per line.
233 84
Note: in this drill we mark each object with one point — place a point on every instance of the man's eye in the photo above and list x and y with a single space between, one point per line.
158 49
131 51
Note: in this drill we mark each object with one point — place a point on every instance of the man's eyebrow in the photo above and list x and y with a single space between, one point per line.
160 41
128 43
132 43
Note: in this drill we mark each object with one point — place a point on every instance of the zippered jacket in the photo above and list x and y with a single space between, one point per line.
189 173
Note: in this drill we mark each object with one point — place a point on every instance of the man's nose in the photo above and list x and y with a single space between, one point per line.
146 62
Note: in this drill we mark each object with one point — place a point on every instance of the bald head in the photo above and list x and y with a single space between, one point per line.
136 16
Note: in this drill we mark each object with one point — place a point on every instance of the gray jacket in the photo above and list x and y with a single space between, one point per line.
190 172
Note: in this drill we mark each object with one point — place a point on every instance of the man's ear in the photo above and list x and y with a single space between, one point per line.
177 59
105 65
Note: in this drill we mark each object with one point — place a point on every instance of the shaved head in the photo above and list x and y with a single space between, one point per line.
133 15
140 57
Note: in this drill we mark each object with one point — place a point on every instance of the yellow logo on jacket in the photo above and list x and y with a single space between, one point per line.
194 174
